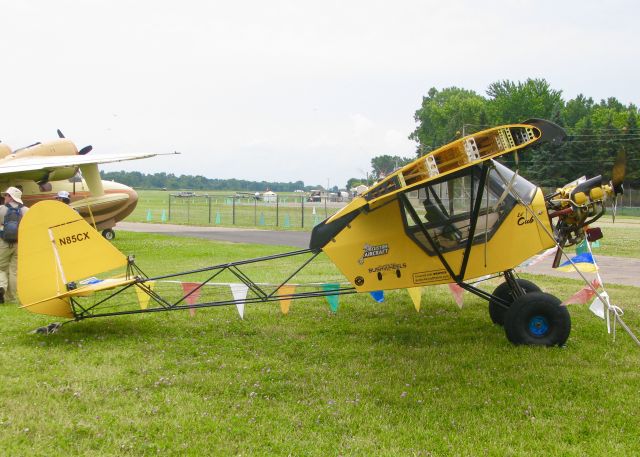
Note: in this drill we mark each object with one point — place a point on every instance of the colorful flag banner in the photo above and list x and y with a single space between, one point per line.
583 262
416 295
597 307
332 299
287 289
143 297
378 295
457 292
582 247
239 292
583 295
192 294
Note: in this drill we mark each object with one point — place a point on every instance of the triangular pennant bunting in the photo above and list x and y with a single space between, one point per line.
192 294
597 307
332 299
582 248
457 292
378 295
143 297
416 296
583 295
285 291
582 262
239 292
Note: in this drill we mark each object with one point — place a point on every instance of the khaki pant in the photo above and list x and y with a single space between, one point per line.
8 268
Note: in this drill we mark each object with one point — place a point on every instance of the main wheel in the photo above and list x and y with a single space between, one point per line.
109 234
503 291
538 319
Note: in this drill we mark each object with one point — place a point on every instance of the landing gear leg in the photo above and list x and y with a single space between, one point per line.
508 291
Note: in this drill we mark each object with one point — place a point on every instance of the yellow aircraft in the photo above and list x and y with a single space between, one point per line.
41 170
451 216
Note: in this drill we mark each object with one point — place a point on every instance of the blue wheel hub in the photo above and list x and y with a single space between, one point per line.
538 326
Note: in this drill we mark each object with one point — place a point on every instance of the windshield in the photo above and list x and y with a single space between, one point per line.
501 176
444 209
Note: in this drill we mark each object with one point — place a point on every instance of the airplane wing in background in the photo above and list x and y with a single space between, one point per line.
16 165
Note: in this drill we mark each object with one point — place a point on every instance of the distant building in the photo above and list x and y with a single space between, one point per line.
358 190
270 197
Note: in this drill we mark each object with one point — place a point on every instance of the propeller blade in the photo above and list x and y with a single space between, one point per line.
60 134
618 172
85 150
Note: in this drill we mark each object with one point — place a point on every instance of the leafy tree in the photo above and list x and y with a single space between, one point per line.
576 109
170 181
355 182
512 102
385 164
444 114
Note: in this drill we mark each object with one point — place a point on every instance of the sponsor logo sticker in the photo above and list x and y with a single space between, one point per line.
387 267
373 250
426 277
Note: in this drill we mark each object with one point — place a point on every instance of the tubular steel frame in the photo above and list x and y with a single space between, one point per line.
133 271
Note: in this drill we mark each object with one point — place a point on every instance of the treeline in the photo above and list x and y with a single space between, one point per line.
172 182
597 130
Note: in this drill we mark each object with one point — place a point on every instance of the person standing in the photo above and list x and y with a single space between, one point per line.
10 215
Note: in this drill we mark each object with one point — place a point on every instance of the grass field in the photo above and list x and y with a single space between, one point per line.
373 379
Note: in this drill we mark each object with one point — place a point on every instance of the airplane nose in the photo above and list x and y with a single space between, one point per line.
133 196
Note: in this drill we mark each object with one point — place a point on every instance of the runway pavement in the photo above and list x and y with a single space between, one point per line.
235 235
613 270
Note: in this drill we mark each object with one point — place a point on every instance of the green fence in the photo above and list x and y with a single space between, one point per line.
282 212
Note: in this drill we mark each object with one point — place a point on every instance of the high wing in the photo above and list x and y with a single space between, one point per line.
15 165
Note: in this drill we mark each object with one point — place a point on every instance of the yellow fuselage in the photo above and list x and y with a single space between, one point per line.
376 251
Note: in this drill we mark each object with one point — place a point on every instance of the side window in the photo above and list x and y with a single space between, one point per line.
444 209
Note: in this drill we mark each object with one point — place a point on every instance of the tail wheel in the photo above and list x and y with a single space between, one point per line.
109 234
503 291
537 319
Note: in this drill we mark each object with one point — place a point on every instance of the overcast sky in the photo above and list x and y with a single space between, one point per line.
286 90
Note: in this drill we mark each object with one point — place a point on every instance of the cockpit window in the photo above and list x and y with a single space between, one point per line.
445 208
502 176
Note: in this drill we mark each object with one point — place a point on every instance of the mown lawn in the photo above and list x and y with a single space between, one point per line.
373 379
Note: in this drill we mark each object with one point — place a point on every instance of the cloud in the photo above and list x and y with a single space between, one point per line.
362 125
398 141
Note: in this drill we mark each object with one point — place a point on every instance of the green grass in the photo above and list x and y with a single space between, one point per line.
374 379
620 238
